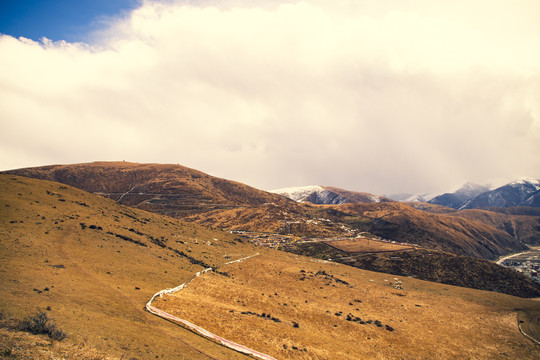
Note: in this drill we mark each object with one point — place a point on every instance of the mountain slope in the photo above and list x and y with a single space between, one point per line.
172 190
431 265
518 193
399 222
324 195
91 265
459 197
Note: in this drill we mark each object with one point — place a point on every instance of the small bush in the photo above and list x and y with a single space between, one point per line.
40 324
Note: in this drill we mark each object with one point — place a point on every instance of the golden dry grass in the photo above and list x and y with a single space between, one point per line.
15 345
361 245
429 321
93 284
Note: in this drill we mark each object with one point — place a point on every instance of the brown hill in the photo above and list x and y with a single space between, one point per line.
402 223
298 220
172 190
292 307
431 265
178 191
91 264
522 223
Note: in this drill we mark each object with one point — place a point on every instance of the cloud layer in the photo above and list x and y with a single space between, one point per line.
369 96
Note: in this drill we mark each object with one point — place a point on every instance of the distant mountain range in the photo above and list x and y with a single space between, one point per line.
523 192
327 195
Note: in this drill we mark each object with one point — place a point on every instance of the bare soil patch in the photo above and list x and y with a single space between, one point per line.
364 245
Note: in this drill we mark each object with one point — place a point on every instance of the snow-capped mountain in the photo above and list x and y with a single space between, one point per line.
459 197
523 192
316 194
407 197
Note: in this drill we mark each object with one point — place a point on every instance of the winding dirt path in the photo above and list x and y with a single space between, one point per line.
197 329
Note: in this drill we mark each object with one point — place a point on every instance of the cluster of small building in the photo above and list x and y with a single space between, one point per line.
266 240
528 267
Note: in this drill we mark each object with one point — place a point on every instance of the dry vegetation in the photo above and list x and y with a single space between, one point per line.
167 189
292 307
92 264
364 245
396 221
182 192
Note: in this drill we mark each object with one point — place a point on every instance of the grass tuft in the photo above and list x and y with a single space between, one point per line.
40 324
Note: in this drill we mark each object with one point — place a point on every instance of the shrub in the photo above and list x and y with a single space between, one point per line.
40 324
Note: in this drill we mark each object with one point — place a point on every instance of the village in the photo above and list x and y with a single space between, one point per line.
526 263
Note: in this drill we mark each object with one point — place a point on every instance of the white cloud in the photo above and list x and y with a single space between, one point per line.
373 96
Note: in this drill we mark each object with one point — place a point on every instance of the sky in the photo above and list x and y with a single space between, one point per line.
385 96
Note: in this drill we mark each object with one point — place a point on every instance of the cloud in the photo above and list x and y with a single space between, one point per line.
382 97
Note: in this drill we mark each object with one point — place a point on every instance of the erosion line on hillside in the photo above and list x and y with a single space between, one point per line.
232 345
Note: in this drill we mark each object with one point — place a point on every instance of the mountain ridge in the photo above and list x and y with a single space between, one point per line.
327 195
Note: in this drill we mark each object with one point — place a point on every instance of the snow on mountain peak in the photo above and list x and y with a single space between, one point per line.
298 193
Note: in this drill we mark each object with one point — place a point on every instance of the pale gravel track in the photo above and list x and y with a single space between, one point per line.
230 344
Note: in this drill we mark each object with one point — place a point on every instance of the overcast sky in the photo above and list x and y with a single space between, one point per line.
381 96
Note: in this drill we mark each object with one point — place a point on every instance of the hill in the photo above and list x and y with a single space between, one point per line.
431 265
457 198
91 264
522 223
402 223
292 307
172 190
185 193
524 192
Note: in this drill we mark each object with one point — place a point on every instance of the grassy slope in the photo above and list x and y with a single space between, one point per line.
522 223
403 223
172 190
428 320
431 265
95 283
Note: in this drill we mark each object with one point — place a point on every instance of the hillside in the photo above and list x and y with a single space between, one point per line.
431 265
522 223
399 222
292 307
178 191
172 190
91 265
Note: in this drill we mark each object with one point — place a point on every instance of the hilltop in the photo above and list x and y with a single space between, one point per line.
172 190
